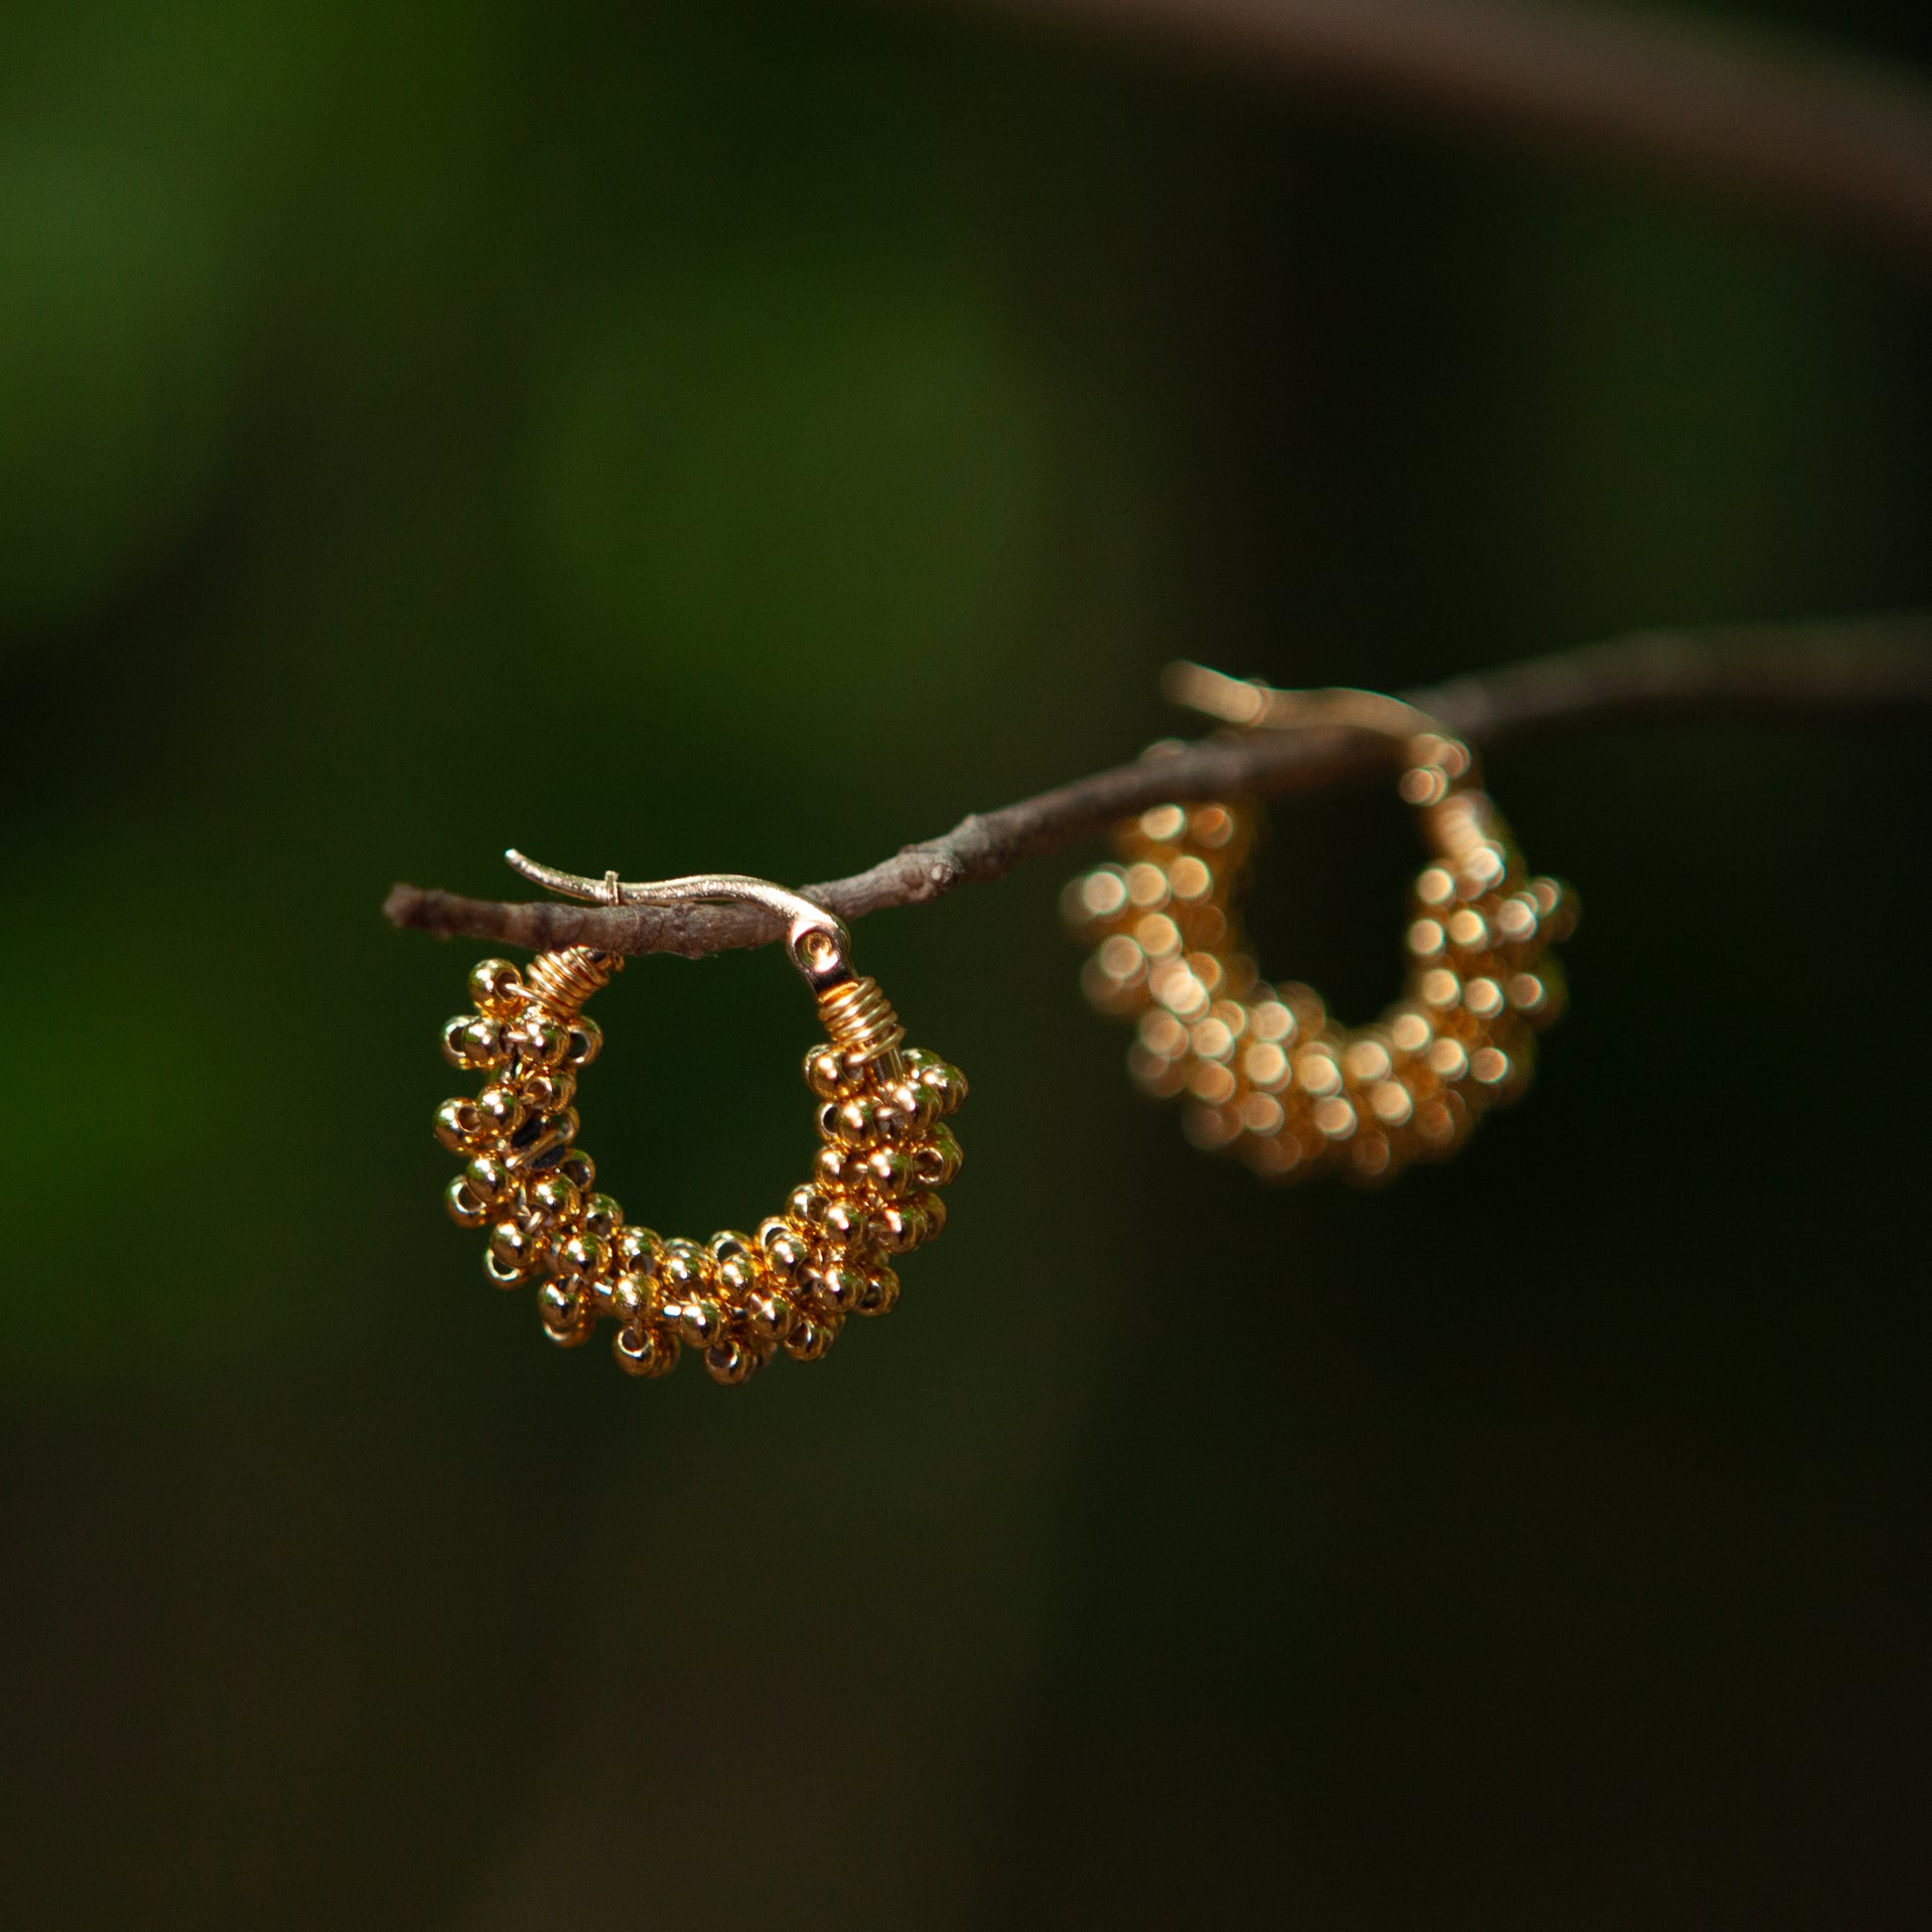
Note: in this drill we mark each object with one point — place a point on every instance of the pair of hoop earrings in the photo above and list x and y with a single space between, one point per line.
1262 1070
739 1298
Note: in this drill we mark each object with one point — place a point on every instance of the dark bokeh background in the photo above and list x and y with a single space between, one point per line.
749 437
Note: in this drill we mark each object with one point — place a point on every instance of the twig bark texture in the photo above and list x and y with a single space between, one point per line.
1777 121
1796 672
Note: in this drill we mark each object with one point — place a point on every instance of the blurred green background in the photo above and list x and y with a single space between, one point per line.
749 437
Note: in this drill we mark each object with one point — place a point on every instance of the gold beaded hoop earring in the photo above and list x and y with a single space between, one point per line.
739 1298
1263 1069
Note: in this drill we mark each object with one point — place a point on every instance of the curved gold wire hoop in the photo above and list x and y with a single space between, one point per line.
1262 1068
740 1298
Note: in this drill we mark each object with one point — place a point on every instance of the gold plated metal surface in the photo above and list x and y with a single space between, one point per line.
884 1151
1261 1068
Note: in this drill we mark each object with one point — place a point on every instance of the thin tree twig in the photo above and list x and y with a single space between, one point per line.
1777 120
1796 672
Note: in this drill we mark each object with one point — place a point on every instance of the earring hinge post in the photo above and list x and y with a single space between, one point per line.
804 919
1252 705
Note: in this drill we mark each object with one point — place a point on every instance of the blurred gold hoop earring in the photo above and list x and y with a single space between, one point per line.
1262 1068
739 1298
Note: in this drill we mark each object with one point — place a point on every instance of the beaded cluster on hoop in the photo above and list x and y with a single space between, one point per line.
1264 1071
739 1298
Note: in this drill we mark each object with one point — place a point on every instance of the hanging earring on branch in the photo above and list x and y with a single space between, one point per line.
739 1298
1262 1070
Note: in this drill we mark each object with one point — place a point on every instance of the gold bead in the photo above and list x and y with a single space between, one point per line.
902 1227
1315 1073
553 1200
496 985
513 1249
1516 918
1528 993
684 1268
889 1171
1483 996
500 1109
835 1289
583 1255
1489 1065
825 1072
548 1093
880 1296
1273 1020
487 1177
643 1350
470 1041
568 1317
806 1205
1190 878
786 1253
1424 784
1410 1032
603 1217
1094 896
767 1317
629 1297
699 1319
811 1336
1211 1038
1365 1060
1265 1065
460 1127
729 1361
1560 908
537 1039
1391 1103
1217 829
936 1160
1148 887
947 1084
846 1224
640 1249
933 1208
1483 867
905 1109
734 1264
467 1209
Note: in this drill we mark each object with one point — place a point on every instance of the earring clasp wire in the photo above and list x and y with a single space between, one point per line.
818 940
